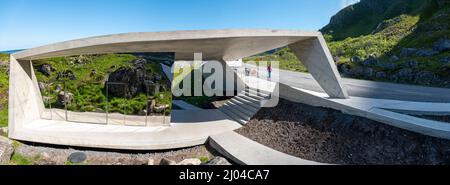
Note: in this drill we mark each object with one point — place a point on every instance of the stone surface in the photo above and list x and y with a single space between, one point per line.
3 131
77 157
46 69
426 52
66 75
151 161
370 61
218 161
380 75
6 150
405 74
165 161
442 45
425 78
64 98
407 52
355 59
192 161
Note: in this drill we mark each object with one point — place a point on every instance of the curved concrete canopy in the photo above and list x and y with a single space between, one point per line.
214 44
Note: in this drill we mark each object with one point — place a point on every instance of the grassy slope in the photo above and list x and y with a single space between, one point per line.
89 91
4 81
418 29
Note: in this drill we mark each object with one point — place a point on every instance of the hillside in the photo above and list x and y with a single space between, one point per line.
387 40
4 81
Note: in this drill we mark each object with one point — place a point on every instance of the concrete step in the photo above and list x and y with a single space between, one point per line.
250 97
258 92
244 100
254 93
233 108
253 106
246 109
226 110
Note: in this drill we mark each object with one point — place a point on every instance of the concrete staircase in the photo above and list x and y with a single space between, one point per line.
245 105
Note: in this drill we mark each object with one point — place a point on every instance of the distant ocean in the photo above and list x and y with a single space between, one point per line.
11 51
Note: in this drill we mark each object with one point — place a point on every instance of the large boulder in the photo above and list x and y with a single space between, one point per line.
442 45
46 69
64 98
355 59
66 75
424 77
128 82
6 150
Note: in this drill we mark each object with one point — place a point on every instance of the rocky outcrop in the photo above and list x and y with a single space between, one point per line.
442 45
66 75
192 161
64 98
218 161
165 161
130 81
46 69
6 150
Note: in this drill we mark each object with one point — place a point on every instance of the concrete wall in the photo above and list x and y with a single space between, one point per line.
25 104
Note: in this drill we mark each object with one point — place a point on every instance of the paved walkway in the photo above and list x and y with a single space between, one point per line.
188 128
368 89
247 152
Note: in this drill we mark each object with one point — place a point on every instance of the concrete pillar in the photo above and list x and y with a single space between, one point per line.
25 103
315 55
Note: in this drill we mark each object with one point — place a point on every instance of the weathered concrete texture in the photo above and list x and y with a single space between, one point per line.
247 152
316 56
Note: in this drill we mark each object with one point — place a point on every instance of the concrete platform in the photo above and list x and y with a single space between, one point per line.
247 152
390 112
188 128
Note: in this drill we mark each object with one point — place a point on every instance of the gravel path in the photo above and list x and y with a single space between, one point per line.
329 136
58 156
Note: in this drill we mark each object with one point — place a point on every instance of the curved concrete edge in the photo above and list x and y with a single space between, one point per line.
419 108
370 108
245 151
411 123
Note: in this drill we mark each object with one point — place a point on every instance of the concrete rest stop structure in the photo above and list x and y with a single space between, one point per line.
188 127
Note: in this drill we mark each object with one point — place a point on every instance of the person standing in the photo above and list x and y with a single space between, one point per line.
269 70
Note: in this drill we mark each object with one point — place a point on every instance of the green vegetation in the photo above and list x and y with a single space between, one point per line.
18 159
4 81
364 17
287 60
204 159
381 29
88 89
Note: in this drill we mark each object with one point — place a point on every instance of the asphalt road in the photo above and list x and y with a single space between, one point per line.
370 89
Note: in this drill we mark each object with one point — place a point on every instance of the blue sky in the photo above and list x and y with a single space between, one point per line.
30 23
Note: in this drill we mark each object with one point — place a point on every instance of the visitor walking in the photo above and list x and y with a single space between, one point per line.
269 70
